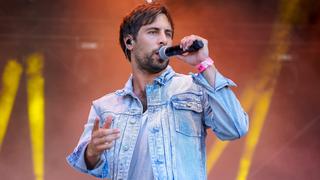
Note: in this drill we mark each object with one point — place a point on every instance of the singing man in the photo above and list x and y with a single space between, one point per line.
156 126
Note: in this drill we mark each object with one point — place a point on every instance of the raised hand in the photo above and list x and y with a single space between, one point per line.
194 58
101 139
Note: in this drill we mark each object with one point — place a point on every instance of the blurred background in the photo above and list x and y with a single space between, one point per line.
58 56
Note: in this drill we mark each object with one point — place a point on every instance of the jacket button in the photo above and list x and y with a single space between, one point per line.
125 147
155 129
132 121
158 161
189 104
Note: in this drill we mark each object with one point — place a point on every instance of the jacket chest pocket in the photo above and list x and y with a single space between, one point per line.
187 110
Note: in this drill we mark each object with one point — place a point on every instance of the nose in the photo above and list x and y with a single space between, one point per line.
163 39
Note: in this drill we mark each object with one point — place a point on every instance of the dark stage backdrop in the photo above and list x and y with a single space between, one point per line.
58 56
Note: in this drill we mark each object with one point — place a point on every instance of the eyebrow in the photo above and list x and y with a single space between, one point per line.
156 28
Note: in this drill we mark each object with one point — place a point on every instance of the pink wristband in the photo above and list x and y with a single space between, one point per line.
204 64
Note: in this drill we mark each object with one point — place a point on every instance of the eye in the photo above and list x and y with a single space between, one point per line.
152 32
169 33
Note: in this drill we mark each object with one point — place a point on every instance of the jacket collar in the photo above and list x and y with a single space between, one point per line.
162 80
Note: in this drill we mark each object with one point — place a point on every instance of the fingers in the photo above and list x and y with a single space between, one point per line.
106 125
105 132
108 122
112 137
103 147
187 41
98 149
106 139
95 125
102 138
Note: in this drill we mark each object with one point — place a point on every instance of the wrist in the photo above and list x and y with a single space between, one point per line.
91 155
91 159
205 63
90 152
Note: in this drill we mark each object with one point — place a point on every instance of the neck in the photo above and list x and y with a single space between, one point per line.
141 79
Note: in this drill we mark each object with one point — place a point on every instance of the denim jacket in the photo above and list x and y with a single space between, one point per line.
180 110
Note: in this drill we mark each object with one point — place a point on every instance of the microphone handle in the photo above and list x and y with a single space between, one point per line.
176 50
195 46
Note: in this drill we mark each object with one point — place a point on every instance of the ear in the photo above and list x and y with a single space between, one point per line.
129 42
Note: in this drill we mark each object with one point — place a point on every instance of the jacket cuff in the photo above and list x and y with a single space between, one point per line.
77 161
220 82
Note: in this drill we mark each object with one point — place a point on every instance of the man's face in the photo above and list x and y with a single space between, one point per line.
148 41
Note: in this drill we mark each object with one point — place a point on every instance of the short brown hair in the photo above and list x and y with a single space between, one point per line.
142 15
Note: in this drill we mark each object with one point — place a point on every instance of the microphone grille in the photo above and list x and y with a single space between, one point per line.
162 53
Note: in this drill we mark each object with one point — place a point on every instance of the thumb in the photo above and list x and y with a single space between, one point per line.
108 122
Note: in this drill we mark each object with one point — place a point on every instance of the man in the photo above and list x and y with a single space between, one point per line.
155 127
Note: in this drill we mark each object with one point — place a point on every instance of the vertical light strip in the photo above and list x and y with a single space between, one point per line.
10 84
259 114
257 97
247 101
35 91
214 154
264 90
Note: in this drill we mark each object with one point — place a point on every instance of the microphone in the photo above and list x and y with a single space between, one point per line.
165 52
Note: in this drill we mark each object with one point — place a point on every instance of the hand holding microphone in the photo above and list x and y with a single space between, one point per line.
165 52
192 50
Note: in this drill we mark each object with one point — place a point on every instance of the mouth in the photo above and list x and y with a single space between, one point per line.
156 53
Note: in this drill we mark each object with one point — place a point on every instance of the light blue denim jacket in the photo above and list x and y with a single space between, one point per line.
180 110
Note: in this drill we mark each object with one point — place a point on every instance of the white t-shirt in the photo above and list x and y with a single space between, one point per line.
140 167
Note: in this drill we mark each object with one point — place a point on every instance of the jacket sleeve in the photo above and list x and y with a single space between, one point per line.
222 110
76 158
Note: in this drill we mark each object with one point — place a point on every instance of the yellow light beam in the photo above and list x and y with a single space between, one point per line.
35 91
247 101
265 87
255 96
260 112
214 154
10 83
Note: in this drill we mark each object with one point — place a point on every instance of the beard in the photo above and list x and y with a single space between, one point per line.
150 64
